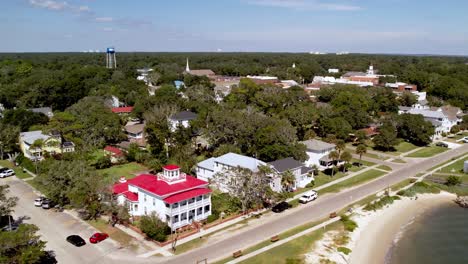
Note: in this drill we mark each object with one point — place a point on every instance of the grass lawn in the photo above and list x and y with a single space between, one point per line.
128 170
405 147
464 177
457 137
116 234
294 249
363 162
384 167
398 161
356 180
18 171
427 152
400 185
456 167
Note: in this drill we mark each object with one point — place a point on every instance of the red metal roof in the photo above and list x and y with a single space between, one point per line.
186 195
114 150
151 184
131 196
126 109
171 167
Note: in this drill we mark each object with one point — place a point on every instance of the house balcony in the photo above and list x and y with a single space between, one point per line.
187 207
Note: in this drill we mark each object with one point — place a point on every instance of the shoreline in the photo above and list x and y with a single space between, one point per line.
378 231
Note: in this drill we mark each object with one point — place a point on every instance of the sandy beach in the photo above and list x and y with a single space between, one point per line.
378 230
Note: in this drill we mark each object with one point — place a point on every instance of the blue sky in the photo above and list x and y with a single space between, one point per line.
370 26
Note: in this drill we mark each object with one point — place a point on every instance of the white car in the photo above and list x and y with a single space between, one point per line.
463 139
308 197
38 201
7 173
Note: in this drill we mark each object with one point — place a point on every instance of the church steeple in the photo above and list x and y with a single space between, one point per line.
187 68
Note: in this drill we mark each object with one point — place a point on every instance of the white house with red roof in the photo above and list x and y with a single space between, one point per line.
116 155
177 198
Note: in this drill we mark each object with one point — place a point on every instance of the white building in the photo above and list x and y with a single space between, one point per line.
333 70
330 80
175 197
318 153
47 111
442 118
301 173
181 119
207 168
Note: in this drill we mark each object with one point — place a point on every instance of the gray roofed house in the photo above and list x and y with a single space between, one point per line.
43 110
184 115
30 137
317 145
236 160
207 164
286 164
298 170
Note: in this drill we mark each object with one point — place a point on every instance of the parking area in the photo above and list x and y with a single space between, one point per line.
56 226
452 145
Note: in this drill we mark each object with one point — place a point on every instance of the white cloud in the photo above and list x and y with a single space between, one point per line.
304 5
108 29
104 19
59 6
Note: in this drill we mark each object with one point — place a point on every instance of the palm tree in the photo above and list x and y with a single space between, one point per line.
360 150
346 157
340 145
334 156
287 180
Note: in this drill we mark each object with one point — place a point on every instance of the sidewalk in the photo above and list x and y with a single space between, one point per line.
339 180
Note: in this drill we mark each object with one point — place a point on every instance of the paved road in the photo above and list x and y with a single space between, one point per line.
311 212
55 227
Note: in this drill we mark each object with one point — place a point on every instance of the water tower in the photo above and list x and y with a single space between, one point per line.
111 62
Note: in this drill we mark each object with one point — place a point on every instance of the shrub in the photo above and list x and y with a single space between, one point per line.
294 261
26 163
348 224
211 218
310 184
154 228
453 181
345 250
103 163
419 188
373 206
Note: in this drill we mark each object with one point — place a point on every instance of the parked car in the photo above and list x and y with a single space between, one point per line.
47 204
76 240
11 227
7 173
98 237
463 139
308 197
442 144
38 201
280 207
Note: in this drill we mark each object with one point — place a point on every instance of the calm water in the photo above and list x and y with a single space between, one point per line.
439 236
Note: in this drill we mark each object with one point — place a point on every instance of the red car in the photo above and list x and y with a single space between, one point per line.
98 237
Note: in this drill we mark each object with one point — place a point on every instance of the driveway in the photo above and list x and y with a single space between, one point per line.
54 227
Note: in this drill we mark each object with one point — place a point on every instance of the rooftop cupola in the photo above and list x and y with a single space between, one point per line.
171 174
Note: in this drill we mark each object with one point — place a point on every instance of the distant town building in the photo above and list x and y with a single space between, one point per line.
333 70
175 197
263 79
122 110
402 87
202 72
115 154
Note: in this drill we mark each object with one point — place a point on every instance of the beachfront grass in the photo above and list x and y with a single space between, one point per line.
427 152
400 185
363 162
129 170
419 188
404 147
356 180
18 171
